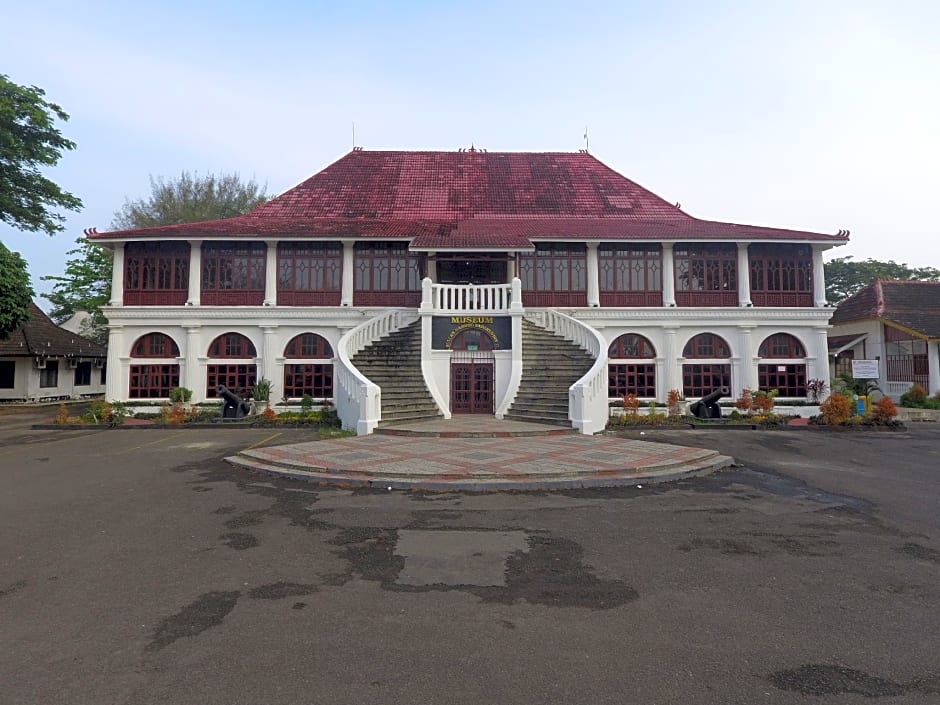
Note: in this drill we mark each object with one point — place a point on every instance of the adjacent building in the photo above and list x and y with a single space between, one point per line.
896 324
42 361
465 246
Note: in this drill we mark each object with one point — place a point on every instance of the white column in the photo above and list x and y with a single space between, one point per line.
672 370
268 362
819 278
669 279
195 272
432 267
744 276
193 375
349 262
270 274
748 377
117 277
821 358
115 386
593 276
933 367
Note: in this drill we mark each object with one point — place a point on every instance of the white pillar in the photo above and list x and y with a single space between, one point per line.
432 267
672 369
933 367
593 276
117 276
669 279
270 274
268 361
819 278
821 358
748 377
744 276
193 376
195 272
115 386
349 262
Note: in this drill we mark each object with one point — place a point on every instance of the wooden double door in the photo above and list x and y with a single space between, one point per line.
472 387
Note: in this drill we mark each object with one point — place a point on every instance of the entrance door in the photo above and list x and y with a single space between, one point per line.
471 387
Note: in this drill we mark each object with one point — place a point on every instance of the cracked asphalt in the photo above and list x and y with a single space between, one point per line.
137 567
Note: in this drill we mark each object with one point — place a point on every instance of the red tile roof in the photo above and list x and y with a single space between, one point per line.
469 199
41 337
914 305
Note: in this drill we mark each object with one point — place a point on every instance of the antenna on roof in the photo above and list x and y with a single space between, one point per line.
587 142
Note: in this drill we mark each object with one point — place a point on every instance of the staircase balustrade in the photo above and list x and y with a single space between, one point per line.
465 298
587 398
358 400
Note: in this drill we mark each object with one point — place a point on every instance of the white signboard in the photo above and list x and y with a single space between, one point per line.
865 369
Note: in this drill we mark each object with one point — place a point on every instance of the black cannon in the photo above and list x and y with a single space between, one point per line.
707 407
233 407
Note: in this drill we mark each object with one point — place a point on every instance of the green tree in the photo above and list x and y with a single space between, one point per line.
190 199
30 142
86 284
844 277
15 292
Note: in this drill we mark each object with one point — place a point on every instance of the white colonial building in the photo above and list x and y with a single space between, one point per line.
471 244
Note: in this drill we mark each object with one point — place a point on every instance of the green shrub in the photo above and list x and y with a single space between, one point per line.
179 395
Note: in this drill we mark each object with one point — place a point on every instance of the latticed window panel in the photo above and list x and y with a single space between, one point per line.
701 379
309 274
313 379
781 345
630 276
789 380
631 345
706 345
155 345
239 379
152 381
781 275
156 273
386 273
554 275
232 345
308 346
706 275
639 379
233 274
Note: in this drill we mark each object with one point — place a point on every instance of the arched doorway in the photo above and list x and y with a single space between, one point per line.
472 373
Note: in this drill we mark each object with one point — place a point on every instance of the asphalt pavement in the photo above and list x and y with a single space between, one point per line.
138 567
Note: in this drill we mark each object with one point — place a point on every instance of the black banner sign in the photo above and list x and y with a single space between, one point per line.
445 328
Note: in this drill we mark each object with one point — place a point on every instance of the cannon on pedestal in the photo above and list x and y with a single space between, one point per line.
232 406
707 407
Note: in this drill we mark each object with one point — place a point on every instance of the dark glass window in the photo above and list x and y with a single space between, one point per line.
699 380
781 345
49 376
153 381
781 275
706 345
239 379
309 273
788 380
156 273
313 379
631 345
155 345
7 374
308 345
232 345
623 379
83 374
630 275
706 275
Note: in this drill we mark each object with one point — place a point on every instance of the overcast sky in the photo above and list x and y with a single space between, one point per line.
809 115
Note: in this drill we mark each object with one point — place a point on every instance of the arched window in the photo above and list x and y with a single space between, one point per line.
313 378
232 345
238 378
308 345
701 378
156 380
472 339
631 377
155 345
789 379
781 345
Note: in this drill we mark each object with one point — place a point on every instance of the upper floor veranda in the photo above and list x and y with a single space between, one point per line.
349 273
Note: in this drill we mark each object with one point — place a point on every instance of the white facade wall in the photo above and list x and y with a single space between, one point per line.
27 378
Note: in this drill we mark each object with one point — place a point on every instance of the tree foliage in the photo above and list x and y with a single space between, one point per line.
844 277
86 284
190 199
29 142
15 292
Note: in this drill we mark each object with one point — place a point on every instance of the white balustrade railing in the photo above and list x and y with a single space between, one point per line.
587 398
465 298
359 400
